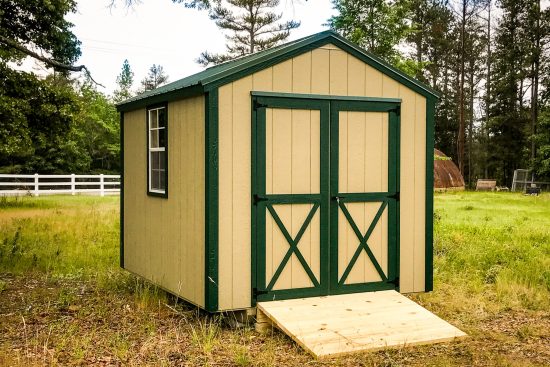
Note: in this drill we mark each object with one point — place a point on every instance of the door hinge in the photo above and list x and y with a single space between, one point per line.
258 105
395 196
257 198
257 292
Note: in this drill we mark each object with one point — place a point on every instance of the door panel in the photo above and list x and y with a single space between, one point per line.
363 269
364 192
293 275
291 198
363 151
292 151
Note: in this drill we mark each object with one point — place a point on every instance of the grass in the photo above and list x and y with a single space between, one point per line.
64 300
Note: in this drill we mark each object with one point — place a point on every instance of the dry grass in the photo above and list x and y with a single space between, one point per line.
63 300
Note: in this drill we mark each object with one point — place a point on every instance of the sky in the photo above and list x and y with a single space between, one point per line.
161 32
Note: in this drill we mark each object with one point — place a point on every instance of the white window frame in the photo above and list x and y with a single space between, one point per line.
151 149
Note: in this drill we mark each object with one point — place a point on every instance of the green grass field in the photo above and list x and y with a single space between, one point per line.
64 300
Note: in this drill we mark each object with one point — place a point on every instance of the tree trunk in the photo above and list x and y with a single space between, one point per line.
535 90
485 129
461 97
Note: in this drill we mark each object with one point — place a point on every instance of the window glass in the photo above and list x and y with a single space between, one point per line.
157 169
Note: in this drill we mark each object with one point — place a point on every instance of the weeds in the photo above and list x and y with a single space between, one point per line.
205 335
65 301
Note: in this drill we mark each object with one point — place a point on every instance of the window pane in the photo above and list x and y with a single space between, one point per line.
162 160
153 119
162 117
162 137
155 180
162 185
154 138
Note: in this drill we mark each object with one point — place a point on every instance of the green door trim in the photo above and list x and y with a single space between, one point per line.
326 201
389 201
262 203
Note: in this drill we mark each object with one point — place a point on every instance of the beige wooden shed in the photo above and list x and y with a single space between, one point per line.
299 171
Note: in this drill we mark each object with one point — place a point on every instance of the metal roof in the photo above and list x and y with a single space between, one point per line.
226 72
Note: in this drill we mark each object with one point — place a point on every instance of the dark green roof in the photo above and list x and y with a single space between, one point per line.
215 76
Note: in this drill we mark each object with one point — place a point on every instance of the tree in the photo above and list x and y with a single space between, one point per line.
36 28
98 128
509 119
124 81
37 124
154 79
252 26
377 25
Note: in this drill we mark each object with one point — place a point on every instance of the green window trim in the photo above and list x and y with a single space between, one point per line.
150 191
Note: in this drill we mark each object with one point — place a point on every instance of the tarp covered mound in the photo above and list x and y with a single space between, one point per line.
446 173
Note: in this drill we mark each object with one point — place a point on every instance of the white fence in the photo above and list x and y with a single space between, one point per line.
37 185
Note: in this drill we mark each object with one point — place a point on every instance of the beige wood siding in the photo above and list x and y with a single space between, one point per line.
326 70
164 238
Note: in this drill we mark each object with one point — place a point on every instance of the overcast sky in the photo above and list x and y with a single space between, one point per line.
161 32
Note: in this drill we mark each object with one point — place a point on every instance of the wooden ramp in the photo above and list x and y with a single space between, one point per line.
332 325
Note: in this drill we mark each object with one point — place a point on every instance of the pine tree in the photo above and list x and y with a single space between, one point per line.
377 25
124 80
509 118
252 26
154 79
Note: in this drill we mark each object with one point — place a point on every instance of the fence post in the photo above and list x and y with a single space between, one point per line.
72 184
36 187
101 185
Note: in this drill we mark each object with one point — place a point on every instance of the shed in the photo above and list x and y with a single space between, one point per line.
302 170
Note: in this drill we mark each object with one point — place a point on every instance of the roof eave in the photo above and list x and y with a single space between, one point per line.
173 95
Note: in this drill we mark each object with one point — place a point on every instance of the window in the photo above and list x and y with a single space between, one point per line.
157 151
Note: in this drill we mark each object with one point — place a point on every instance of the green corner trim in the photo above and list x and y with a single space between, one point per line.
429 251
121 210
211 200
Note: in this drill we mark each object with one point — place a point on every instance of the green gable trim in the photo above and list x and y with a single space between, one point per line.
227 72
211 202
262 60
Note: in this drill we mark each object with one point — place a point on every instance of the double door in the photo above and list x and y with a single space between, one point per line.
325 200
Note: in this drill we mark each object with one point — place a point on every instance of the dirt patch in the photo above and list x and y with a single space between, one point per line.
69 322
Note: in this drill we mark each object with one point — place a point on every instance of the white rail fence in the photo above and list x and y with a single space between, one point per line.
37 185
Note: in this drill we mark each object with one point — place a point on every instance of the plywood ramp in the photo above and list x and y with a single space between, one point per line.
333 325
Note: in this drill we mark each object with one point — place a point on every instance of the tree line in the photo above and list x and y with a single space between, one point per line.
490 62
489 59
